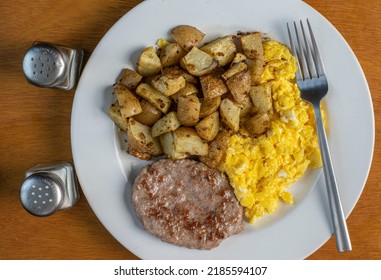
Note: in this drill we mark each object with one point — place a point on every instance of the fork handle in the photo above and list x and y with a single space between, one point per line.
343 242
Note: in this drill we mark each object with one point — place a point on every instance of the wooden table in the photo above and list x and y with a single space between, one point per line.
35 126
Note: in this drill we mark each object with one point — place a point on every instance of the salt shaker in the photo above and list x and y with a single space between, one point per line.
52 66
49 188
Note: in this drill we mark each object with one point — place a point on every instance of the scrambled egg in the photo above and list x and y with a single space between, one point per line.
260 169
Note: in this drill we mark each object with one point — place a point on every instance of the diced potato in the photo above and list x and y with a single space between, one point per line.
129 78
261 97
187 36
149 115
198 62
253 49
114 113
185 91
127 101
149 63
209 106
138 154
239 57
153 96
212 86
216 150
209 127
162 43
148 79
256 68
246 107
187 141
230 112
171 54
168 145
168 123
188 110
239 86
252 45
258 124
175 70
168 84
141 140
234 70
222 49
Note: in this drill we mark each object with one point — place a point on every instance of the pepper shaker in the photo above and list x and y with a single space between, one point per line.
49 188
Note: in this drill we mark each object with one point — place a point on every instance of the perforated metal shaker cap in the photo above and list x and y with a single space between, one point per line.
43 65
42 194
53 66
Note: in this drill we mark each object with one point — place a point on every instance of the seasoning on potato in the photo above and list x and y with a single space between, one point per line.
187 36
231 103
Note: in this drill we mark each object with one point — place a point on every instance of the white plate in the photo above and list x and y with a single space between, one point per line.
106 172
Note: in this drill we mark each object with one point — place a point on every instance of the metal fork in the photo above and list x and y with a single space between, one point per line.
313 86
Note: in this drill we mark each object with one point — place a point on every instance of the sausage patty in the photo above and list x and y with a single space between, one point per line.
186 203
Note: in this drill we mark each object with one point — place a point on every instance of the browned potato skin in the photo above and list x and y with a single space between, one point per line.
138 154
239 86
217 150
258 124
188 110
208 127
187 36
129 78
212 86
140 139
175 70
149 115
210 106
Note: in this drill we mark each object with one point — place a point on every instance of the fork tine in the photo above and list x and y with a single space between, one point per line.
295 54
301 56
317 58
309 56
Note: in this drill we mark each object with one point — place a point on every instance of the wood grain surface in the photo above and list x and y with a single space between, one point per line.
35 126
